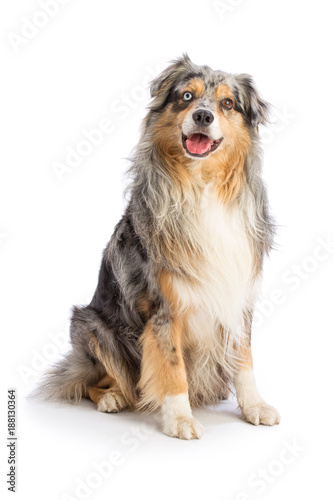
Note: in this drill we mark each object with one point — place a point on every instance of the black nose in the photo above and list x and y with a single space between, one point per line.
203 117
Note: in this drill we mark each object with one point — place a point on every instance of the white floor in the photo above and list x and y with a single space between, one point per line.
68 452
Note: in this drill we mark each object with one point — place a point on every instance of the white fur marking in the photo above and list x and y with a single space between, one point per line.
111 403
227 274
254 408
224 292
213 131
177 419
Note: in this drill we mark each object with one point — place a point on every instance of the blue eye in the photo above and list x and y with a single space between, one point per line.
187 96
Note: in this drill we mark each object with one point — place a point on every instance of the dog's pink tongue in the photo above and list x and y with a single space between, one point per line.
198 144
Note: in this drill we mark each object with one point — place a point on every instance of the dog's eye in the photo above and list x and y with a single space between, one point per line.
187 96
227 103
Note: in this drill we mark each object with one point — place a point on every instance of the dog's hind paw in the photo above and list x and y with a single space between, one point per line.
111 402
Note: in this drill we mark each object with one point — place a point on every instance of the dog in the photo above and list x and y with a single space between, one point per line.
169 325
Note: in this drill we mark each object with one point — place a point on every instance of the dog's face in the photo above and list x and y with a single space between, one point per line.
201 112
209 117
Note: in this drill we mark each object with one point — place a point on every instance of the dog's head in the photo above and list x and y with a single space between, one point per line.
197 112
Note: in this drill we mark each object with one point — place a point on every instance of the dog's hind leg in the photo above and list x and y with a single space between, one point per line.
113 353
107 395
96 352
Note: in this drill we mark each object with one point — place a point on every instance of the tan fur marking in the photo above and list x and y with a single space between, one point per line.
195 86
101 355
244 351
107 384
245 356
165 282
143 306
168 140
222 91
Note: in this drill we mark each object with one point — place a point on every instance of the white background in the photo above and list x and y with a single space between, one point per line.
78 69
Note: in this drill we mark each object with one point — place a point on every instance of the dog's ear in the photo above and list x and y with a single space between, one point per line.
254 109
163 84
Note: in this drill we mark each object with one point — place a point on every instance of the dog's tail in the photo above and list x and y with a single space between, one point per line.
69 379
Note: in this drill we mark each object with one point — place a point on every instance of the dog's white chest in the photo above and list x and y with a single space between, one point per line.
225 285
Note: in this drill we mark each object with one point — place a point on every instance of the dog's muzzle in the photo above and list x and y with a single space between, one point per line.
198 141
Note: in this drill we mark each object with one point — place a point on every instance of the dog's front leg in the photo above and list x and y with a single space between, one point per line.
254 408
163 381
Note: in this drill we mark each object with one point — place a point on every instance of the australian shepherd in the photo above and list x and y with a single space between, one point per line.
169 325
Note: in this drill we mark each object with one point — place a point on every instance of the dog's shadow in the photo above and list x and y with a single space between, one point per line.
226 412
73 418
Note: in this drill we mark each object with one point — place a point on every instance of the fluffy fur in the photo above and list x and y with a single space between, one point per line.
170 322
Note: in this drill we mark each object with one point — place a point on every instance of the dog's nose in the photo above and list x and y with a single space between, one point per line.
203 117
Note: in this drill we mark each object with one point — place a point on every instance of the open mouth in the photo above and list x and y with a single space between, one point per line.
200 144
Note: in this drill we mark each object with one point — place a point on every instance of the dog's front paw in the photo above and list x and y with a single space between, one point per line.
183 428
261 413
111 402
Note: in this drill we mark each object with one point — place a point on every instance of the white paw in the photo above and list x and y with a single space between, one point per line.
261 413
111 402
183 428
